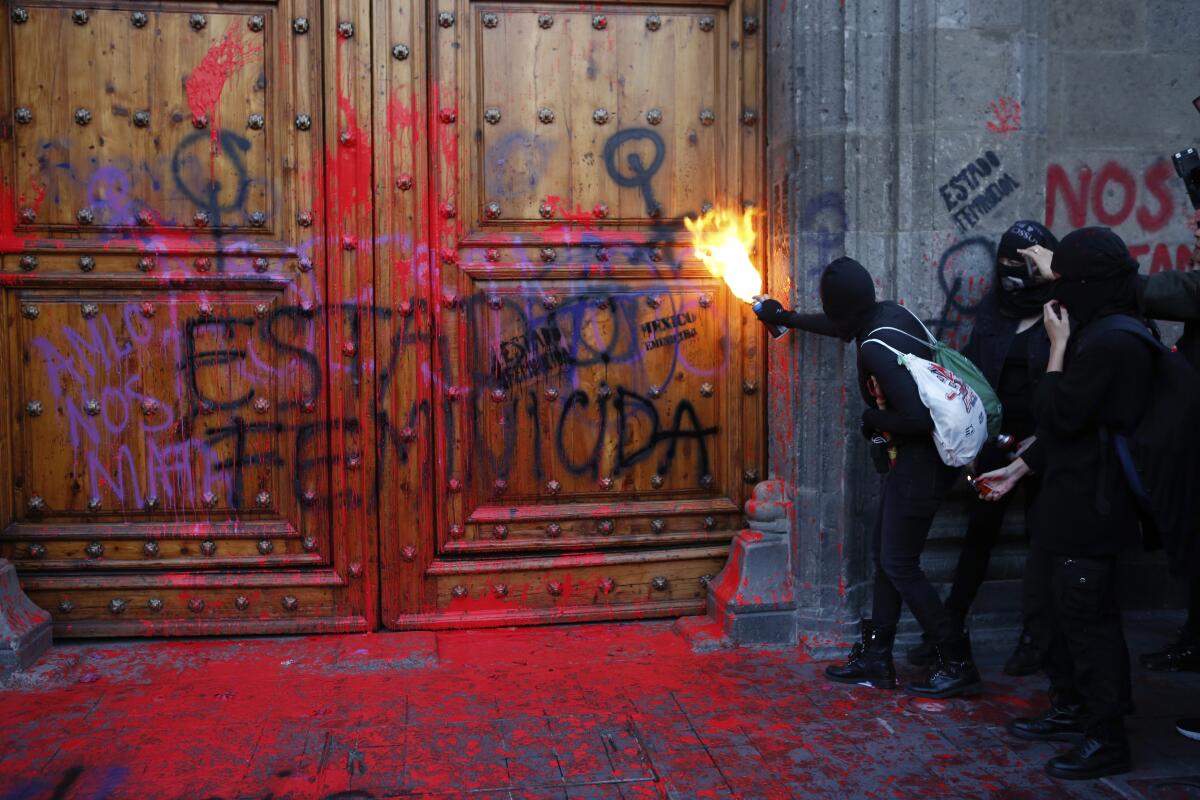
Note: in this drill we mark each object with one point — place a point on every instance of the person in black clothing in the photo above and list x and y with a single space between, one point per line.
914 488
1096 382
1175 296
1009 345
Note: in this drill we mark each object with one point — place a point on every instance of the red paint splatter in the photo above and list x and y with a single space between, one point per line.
1007 113
207 81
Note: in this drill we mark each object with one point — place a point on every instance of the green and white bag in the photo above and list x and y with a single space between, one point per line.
964 368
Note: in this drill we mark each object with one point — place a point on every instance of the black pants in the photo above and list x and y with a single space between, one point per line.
1193 617
1089 661
912 493
984 521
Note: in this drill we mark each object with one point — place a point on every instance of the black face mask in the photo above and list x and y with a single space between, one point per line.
1021 295
1086 300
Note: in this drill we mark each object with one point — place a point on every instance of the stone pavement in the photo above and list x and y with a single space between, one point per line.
602 712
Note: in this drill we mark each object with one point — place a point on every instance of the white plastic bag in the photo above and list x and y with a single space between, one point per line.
959 418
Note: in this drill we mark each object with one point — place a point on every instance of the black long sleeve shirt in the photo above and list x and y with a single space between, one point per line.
905 417
1086 507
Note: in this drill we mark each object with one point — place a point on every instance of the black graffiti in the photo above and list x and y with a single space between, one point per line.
628 405
956 191
197 360
537 353
673 339
240 432
964 277
208 195
296 340
201 186
308 378
640 175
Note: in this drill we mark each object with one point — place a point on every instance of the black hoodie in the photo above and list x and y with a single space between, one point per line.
851 312
1086 507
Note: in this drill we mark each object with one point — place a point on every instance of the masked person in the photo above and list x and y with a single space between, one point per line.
1175 297
1009 345
1096 383
917 481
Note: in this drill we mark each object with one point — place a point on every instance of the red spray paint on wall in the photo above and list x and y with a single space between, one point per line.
206 82
1113 197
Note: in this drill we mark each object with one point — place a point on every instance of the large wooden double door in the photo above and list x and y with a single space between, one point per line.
324 316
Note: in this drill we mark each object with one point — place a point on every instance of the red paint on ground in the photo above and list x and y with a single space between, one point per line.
611 711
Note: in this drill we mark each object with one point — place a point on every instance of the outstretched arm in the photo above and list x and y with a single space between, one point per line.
772 312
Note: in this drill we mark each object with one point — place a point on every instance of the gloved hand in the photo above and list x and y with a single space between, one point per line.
772 312
877 448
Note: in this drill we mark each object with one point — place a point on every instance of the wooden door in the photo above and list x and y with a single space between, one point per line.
594 402
187 421
324 315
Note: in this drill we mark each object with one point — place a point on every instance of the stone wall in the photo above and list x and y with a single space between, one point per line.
909 134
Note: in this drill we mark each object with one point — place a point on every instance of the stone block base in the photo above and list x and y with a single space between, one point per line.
24 628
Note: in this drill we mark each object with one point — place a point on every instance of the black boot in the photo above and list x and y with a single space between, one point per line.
870 662
923 654
1102 751
1183 654
1027 658
954 675
1063 722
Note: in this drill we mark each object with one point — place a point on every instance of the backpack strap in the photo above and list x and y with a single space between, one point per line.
899 356
931 344
932 340
1127 324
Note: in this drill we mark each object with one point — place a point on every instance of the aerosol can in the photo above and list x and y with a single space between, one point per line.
776 330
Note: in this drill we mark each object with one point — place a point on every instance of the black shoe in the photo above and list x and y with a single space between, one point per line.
1061 723
923 654
1183 654
1189 727
1027 659
1093 756
870 662
954 675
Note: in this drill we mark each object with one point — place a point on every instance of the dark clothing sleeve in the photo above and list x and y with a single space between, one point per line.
971 351
905 414
1035 455
1066 403
812 323
1086 507
1172 296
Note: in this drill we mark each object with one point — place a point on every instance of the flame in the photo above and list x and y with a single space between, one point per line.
723 241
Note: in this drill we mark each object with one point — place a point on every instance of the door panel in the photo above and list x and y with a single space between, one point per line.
112 137
171 434
319 316
598 398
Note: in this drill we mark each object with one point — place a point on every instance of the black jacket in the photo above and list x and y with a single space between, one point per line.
991 339
1175 297
1085 507
906 417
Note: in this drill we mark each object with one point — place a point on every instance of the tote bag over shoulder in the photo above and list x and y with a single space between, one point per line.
964 368
959 418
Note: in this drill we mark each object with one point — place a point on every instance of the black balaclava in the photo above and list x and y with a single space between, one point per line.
1021 294
1097 275
847 296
